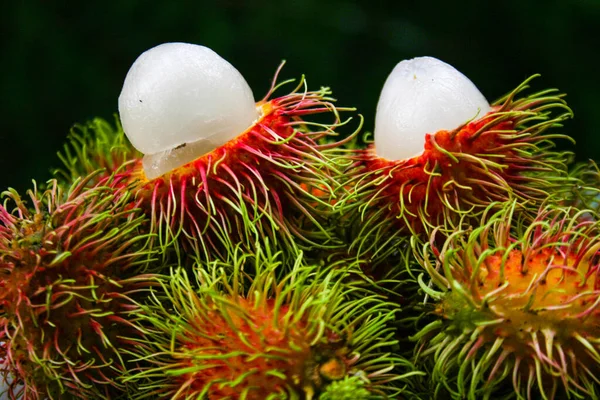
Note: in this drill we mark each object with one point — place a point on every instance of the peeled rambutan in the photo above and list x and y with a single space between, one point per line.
440 152
249 329
219 169
515 310
69 262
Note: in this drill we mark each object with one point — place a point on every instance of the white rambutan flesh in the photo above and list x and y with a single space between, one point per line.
180 94
422 95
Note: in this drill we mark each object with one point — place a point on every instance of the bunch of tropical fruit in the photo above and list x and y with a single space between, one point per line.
208 246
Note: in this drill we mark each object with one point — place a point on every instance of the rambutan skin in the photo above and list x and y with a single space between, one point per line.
505 154
350 388
274 181
70 260
255 186
586 193
95 147
248 329
515 303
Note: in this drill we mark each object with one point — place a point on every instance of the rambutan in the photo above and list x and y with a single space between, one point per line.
441 152
514 302
586 192
249 329
69 262
95 147
219 169
349 388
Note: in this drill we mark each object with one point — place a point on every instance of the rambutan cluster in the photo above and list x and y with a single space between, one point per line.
208 246
501 239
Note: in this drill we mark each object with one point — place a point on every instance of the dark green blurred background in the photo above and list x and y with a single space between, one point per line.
64 62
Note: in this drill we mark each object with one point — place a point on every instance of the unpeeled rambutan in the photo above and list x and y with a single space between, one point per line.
349 388
441 152
249 329
586 192
514 302
69 262
95 147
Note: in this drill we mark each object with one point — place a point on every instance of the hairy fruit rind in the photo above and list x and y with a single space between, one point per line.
70 261
274 181
514 303
249 329
503 155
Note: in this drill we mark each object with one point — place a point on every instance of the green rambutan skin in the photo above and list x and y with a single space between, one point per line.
586 194
254 328
507 154
513 307
92 146
70 263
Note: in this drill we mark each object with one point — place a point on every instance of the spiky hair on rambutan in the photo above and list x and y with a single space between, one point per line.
219 169
253 328
95 147
441 152
515 308
70 260
586 192
349 388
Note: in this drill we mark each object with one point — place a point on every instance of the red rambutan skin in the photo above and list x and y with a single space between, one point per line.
414 191
571 281
272 181
67 269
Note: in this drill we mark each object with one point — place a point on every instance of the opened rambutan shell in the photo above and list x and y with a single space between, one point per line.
274 181
505 154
